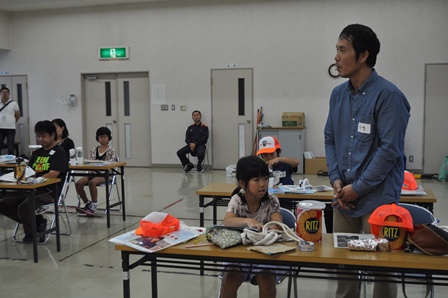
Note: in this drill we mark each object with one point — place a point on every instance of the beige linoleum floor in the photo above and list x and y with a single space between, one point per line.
88 265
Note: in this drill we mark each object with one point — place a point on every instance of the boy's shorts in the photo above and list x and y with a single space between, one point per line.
249 271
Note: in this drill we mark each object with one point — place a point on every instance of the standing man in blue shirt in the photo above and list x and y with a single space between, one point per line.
196 138
364 142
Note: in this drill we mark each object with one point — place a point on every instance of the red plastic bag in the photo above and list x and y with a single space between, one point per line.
157 224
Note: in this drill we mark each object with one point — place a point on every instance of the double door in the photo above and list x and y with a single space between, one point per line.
120 102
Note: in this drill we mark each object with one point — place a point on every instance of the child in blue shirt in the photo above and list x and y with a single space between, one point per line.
269 149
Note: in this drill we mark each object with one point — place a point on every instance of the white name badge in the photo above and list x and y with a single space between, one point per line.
364 128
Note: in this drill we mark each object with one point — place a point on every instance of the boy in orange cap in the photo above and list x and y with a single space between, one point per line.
269 149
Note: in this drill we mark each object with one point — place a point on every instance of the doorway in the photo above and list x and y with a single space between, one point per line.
232 114
435 145
19 93
120 102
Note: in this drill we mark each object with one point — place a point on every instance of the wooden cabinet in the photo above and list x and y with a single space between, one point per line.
292 141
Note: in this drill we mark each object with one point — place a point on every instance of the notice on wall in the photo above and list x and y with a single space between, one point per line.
158 94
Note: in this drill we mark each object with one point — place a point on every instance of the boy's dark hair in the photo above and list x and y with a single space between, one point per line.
5 88
196 111
363 39
250 167
45 126
103 131
279 150
61 123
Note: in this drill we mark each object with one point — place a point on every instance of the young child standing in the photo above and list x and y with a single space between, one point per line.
103 152
269 149
251 206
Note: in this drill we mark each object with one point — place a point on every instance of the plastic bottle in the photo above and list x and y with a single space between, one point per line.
72 156
79 155
444 170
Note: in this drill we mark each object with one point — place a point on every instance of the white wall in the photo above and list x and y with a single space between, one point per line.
289 44
5 31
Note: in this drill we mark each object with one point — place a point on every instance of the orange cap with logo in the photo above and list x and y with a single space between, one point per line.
268 145
379 218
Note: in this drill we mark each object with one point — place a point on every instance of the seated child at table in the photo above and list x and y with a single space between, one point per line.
251 206
269 149
103 152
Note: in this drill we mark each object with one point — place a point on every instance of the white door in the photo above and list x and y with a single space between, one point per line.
435 143
232 113
120 102
19 93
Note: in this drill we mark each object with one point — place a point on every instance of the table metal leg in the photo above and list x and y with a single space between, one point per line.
56 216
126 274
107 199
154 277
34 226
201 211
215 211
122 193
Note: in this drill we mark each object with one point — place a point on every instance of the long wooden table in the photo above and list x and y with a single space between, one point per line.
30 191
105 170
311 264
220 194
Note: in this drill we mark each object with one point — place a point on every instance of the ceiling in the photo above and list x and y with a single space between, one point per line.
30 5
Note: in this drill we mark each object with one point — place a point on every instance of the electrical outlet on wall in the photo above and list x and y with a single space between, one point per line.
164 107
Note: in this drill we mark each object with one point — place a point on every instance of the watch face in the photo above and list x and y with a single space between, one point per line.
333 71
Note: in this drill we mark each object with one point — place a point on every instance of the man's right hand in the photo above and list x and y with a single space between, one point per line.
192 146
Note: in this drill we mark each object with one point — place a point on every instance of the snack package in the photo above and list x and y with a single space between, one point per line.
376 244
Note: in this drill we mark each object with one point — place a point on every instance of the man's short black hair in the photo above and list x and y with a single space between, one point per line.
46 126
363 39
5 88
195 112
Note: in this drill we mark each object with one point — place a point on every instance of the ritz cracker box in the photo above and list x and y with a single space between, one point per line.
293 120
309 220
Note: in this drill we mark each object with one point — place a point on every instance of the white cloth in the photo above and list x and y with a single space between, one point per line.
8 115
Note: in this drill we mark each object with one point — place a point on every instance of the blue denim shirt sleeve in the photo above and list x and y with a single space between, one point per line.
364 141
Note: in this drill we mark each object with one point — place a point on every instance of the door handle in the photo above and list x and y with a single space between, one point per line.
114 121
248 121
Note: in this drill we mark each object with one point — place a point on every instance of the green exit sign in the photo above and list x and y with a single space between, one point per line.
114 53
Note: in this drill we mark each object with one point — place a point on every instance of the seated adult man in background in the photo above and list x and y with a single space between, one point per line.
50 161
196 137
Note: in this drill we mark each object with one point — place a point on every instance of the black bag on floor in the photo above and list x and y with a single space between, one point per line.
428 238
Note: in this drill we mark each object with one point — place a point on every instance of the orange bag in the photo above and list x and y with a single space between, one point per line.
157 224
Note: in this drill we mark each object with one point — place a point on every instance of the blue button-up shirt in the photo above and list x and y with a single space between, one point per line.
364 141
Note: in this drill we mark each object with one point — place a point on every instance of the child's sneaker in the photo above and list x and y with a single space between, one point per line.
42 209
88 209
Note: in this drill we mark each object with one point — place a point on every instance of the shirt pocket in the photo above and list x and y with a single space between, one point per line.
366 129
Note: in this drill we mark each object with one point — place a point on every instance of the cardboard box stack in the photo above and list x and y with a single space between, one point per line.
293 119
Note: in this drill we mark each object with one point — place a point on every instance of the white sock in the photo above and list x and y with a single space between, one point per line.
93 205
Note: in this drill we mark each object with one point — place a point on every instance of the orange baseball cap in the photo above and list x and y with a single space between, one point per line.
268 145
157 224
378 218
